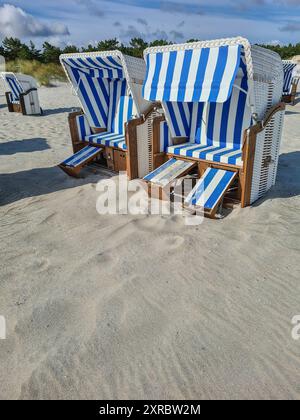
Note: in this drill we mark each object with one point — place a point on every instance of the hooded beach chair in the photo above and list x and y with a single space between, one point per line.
22 94
222 120
291 81
114 125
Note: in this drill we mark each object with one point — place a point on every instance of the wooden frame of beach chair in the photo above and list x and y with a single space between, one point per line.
291 97
22 94
135 160
254 173
114 117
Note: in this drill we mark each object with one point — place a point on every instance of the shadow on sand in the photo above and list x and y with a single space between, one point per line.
37 182
292 113
297 101
23 146
57 111
288 178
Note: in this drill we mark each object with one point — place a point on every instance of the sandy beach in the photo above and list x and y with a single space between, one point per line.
140 307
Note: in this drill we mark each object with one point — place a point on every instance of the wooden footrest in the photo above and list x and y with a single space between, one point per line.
160 181
73 165
169 171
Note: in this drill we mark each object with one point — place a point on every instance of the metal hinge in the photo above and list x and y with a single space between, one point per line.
268 161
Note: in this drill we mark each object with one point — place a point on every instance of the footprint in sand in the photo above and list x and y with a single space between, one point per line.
173 242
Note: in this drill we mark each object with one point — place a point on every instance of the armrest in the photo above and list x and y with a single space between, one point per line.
75 134
73 115
261 125
28 91
251 133
143 118
10 105
156 134
8 96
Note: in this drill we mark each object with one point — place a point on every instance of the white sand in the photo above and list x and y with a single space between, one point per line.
140 307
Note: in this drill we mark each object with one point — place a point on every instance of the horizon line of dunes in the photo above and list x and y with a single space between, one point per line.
43 64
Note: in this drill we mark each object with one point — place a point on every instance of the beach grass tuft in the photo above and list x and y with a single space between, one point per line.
46 74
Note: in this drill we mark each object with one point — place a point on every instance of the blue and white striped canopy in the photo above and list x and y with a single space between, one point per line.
97 66
192 75
288 68
93 76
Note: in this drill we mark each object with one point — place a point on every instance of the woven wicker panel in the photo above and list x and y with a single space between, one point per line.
144 145
268 85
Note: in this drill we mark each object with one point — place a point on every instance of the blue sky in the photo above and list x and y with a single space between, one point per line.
88 21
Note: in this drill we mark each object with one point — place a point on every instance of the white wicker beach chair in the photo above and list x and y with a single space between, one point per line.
291 81
223 111
114 126
22 94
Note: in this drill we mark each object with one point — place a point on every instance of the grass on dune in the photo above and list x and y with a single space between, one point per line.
45 74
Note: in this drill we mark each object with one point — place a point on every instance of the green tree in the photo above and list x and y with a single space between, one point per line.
108 45
137 47
193 40
13 48
89 48
50 53
70 49
34 53
159 43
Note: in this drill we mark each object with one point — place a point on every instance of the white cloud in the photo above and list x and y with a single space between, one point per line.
15 22
260 23
291 27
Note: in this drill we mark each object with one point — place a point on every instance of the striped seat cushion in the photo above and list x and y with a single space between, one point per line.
82 156
108 140
227 155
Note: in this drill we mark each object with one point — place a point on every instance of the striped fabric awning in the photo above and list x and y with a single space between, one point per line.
92 76
192 75
97 66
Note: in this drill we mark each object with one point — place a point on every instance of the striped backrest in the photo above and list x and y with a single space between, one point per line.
178 114
288 68
225 123
83 127
165 136
14 85
121 106
220 124
93 93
